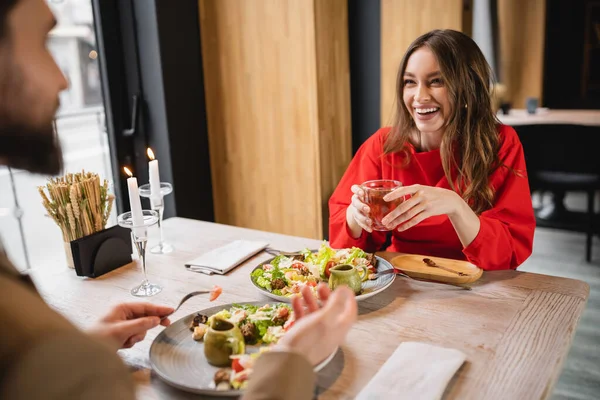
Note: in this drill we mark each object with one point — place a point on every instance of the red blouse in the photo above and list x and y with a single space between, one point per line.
505 238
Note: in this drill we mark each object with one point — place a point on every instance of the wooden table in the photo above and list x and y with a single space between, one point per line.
516 328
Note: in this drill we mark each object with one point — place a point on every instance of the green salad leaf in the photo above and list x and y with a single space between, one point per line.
238 385
263 283
322 258
269 338
257 272
275 262
356 253
246 307
277 273
262 326
308 256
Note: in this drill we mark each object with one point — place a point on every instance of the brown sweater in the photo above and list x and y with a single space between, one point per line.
43 356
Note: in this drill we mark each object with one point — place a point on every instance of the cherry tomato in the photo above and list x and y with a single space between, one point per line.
328 266
215 292
236 366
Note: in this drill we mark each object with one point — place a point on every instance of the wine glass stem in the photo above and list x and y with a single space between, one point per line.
160 209
141 248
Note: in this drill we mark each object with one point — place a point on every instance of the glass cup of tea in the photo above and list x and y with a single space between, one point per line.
375 191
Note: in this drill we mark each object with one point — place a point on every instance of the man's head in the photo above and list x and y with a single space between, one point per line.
30 82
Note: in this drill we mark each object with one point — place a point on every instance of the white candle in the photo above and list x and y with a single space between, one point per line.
135 205
154 179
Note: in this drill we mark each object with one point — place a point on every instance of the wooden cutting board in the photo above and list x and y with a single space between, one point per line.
413 265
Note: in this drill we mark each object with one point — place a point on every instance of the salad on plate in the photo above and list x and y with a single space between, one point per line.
261 326
286 275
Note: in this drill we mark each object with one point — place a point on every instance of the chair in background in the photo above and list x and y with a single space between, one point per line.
560 159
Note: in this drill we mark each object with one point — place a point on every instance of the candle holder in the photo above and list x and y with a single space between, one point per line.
157 204
140 239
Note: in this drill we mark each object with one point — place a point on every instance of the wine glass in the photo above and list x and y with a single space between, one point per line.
139 235
158 205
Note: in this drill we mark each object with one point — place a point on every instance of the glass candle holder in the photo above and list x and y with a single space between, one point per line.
157 204
139 235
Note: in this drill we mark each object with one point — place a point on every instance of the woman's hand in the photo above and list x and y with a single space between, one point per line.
127 323
357 214
424 202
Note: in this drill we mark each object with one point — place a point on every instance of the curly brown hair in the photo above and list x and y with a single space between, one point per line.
470 143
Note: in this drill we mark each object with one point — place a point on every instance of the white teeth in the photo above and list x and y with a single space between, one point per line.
426 110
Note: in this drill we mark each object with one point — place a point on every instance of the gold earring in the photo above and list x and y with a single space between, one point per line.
465 106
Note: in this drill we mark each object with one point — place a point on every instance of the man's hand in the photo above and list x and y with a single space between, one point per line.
318 331
127 323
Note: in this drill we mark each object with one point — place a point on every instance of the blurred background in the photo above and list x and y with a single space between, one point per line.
262 92
254 109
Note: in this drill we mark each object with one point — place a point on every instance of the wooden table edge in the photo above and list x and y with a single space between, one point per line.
570 286
561 362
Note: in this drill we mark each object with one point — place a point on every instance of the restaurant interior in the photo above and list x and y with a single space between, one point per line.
255 108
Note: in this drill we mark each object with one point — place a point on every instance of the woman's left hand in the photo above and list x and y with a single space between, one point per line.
424 202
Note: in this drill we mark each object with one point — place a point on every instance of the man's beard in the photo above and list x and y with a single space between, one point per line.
33 147
35 150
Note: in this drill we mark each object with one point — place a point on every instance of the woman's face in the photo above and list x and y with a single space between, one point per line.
425 94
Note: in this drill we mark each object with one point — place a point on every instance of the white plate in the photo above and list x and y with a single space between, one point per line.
370 288
179 360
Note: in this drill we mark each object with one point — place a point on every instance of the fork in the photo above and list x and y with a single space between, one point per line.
186 298
275 252
405 275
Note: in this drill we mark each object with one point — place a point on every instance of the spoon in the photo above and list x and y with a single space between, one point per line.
214 293
431 263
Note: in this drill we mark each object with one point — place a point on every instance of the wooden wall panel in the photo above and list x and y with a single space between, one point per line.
521 26
402 21
333 91
274 118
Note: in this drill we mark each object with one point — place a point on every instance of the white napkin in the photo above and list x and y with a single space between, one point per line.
223 259
415 371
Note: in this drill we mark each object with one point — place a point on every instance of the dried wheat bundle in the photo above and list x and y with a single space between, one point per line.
78 203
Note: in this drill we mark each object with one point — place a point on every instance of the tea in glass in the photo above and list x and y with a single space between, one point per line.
375 191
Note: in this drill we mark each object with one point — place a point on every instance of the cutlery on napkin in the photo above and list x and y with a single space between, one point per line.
414 371
223 259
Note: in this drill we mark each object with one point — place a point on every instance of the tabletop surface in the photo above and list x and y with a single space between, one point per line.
518 117
515 327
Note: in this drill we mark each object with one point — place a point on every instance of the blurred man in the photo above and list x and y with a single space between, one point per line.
42 355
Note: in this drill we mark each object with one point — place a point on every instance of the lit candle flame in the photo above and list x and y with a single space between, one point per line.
128 171
150 153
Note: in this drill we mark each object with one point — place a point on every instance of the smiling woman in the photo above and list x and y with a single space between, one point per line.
426 98
462 172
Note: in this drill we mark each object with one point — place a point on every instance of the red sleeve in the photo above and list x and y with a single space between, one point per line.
505 239
365 165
